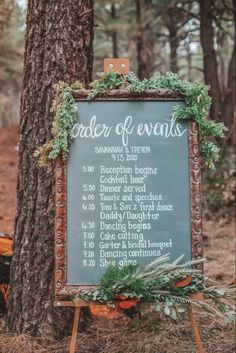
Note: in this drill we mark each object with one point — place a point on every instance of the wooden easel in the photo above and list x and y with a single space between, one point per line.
78 304
121 66
195 330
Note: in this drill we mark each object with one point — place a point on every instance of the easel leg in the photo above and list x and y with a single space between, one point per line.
195 330
75 330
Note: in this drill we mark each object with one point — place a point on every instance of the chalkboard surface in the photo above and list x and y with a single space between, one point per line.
128 187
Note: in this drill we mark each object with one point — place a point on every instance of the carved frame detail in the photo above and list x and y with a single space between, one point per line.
62 290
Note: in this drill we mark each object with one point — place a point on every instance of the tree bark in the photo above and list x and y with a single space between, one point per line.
174 43
223 98
58 47
144 41
114 34
229 104
209 58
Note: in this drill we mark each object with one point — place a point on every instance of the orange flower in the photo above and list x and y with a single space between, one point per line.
184 282
128 303
105 311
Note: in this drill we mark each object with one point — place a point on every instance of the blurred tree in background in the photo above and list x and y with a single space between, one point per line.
217 39
195 39
11 57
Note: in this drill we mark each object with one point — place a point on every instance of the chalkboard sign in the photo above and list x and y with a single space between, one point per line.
130 190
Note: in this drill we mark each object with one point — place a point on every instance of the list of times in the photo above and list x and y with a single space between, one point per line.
122 206
127 209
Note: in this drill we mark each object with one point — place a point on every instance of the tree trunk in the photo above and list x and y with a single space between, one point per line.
189 59
209 58
174 43
229 104
58 47
114 34
144 41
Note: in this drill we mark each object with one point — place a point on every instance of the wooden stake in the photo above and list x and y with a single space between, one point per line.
195 330
75 329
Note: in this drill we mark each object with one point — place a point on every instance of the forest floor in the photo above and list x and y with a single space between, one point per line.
145 335
8 177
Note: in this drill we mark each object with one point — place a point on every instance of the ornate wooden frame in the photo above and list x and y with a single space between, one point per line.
62 290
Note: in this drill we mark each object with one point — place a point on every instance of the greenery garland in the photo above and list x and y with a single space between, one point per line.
169 285
156 283
64 108
197 108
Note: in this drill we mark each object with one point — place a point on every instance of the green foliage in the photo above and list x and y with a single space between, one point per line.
65 117
197 107
196 98
107 81
210 153
157 283
115 274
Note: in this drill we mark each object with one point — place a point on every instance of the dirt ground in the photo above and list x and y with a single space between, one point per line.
8 177
219 251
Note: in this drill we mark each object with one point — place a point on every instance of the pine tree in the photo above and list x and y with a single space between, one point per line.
58 47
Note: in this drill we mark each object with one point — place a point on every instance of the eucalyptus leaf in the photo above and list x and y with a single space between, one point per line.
154 284
167 310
